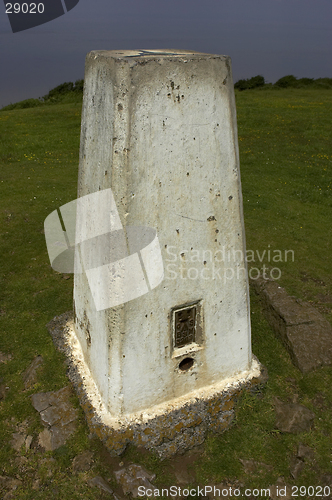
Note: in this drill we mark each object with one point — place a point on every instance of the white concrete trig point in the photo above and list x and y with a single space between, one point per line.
159 130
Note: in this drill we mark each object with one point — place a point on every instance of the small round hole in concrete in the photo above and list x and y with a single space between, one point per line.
185 364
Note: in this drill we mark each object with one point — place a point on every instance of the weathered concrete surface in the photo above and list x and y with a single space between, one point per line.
159 129
20 437
296 467
167 429
132 477
58 416
305 453
292 417
304 331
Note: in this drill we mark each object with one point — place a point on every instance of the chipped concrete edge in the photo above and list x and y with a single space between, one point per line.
168 428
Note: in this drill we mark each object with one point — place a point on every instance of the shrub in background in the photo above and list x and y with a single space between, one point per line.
291 81
64 89
304 82
27 103
79 84
241 85
323 83
250 83
286 81
65 92
72 92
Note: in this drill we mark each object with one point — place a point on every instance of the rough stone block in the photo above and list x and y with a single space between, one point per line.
306 334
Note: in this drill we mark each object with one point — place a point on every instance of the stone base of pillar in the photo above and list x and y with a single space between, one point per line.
166 429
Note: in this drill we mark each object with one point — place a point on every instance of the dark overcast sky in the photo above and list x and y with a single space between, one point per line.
269 37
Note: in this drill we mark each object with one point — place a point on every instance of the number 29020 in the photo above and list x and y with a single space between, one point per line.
25 8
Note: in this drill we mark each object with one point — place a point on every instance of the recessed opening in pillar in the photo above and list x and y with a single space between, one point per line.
185 326
187 330
186 364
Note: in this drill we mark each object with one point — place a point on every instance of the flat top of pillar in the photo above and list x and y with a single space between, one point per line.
149 53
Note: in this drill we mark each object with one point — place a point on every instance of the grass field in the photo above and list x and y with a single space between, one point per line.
286 170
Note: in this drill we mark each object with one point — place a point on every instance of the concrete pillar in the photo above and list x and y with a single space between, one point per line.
159 135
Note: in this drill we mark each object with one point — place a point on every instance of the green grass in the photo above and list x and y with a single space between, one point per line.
286 170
